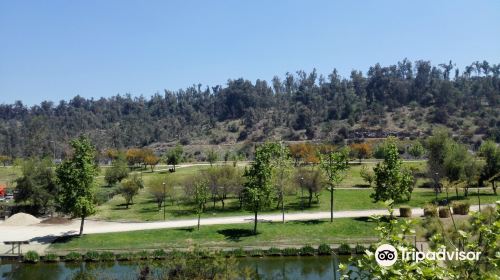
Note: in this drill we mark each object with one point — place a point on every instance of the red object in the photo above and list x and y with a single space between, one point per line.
2 190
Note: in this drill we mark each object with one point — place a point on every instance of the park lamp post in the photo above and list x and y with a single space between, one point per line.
164 199
302 193
436 188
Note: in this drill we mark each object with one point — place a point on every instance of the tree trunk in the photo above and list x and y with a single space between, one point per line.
81 225
310 198
199 217
494 187
478 198
255 224
283 206
222 202
331 205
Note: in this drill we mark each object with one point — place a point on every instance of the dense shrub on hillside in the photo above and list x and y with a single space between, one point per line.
302 102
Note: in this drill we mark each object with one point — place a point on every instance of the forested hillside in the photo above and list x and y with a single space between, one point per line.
405 99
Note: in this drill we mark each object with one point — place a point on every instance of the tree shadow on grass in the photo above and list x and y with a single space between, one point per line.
236 234
65 238
364 219
190 229
122 206
310 222
298 206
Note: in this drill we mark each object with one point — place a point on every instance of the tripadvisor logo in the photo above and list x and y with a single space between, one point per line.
387 255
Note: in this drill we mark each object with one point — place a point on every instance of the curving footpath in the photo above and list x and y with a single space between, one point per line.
41 235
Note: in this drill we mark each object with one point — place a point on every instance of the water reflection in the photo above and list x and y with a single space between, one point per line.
311 268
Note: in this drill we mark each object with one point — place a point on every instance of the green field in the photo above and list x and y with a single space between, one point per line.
297 233
144 207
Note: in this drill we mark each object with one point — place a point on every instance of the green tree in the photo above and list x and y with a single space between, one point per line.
118 170
75 177
491 152
201 194
335 165
438 146
161 187
455 163
130 188
282 168
258 190
367 175
174 156
212 156
416 150
312 180
392 180
37 185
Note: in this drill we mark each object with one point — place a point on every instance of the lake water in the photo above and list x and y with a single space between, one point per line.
313 268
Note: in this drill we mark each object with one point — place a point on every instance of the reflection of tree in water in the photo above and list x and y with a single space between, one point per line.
23 271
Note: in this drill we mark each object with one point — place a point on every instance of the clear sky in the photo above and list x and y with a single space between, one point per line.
53 50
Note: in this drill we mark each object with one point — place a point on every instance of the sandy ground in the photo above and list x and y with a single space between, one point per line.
41 235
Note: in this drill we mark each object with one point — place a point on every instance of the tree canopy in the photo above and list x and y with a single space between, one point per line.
294 107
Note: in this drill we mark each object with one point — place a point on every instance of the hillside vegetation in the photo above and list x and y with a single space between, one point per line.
405 99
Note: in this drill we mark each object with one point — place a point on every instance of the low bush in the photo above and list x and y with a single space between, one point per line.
405 211
107 256
372 248
430 210
91 256
344 249
51 257
159 254
431 226
307 251
126 256
73 257
324 249
143 255
31 257
359 249
290 252
460 207
273 251
179 254
257 253
444 212
239 252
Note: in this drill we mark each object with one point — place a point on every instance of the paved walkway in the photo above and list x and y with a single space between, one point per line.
41 235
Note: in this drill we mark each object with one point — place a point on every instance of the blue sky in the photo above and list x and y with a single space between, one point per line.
53 50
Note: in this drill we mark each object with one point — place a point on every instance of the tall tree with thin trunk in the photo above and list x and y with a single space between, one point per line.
201 194
491 169
258 190
75 177
335 165
282 168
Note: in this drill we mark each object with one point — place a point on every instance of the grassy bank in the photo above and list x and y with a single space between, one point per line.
145 209
296 233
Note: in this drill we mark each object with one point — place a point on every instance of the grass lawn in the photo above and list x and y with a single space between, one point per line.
297 233
8 175
144 208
